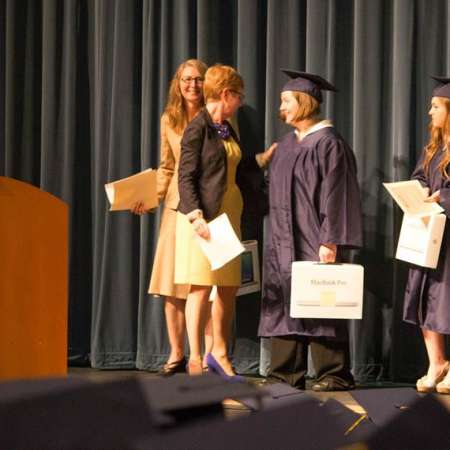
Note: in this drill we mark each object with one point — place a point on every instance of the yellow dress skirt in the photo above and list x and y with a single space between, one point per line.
191 265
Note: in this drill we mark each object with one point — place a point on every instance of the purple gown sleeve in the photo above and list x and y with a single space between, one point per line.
340 204
419 173
445 198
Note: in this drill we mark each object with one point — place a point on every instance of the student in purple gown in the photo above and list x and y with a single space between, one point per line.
315 215
427 297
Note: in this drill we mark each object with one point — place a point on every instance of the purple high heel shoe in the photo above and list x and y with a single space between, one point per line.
216 368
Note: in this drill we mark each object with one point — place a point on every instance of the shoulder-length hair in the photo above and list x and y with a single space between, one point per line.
219 77
175 109
439 138
308 106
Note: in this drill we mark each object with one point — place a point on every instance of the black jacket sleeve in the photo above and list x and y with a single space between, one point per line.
190 169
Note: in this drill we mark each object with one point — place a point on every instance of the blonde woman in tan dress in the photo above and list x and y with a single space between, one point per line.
209 164
185 100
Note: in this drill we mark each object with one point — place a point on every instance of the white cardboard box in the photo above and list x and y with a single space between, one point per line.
326 291
420 240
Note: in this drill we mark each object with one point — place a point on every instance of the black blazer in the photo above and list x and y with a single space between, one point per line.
202 173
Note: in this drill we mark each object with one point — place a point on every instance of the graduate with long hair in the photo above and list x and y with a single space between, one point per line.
427 297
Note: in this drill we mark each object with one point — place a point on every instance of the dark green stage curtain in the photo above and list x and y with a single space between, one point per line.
82 87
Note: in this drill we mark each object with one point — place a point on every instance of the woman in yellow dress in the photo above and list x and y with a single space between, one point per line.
184 101
210 163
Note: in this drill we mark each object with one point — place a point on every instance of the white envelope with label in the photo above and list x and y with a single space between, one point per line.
326 291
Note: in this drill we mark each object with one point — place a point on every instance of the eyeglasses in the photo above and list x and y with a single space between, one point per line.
239 94
189 80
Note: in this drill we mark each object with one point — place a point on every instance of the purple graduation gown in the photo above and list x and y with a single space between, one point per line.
427 295
314 199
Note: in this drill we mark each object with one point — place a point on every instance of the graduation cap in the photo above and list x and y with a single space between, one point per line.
424 425
70 413
301 424
185 399
354 426
382 405
443 90
275 395
404 419
308 83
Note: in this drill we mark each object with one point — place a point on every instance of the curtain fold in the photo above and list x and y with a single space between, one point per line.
370 22
116 82
83 84
168 38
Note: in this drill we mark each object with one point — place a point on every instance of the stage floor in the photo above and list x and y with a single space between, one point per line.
234 408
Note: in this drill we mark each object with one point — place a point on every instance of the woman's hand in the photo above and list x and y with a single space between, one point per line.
267 155
327 253
269 152
263 159
434 198
139 209
201 228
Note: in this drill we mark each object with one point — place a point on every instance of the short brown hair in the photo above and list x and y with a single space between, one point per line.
220 77
308 106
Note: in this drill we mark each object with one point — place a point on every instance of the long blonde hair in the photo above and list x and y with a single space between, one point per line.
439 137
175 109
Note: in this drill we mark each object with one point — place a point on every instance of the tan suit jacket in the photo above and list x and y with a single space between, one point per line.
162 279
167 176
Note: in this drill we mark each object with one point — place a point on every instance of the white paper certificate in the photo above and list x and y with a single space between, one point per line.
223 245
410 196
125 193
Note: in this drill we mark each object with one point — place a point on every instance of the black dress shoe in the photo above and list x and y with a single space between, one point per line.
172 368
300 385
329 386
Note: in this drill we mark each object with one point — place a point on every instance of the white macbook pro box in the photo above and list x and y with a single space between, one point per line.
420 240
326 291
423 224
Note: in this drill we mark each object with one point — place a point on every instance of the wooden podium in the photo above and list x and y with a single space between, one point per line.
33 282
